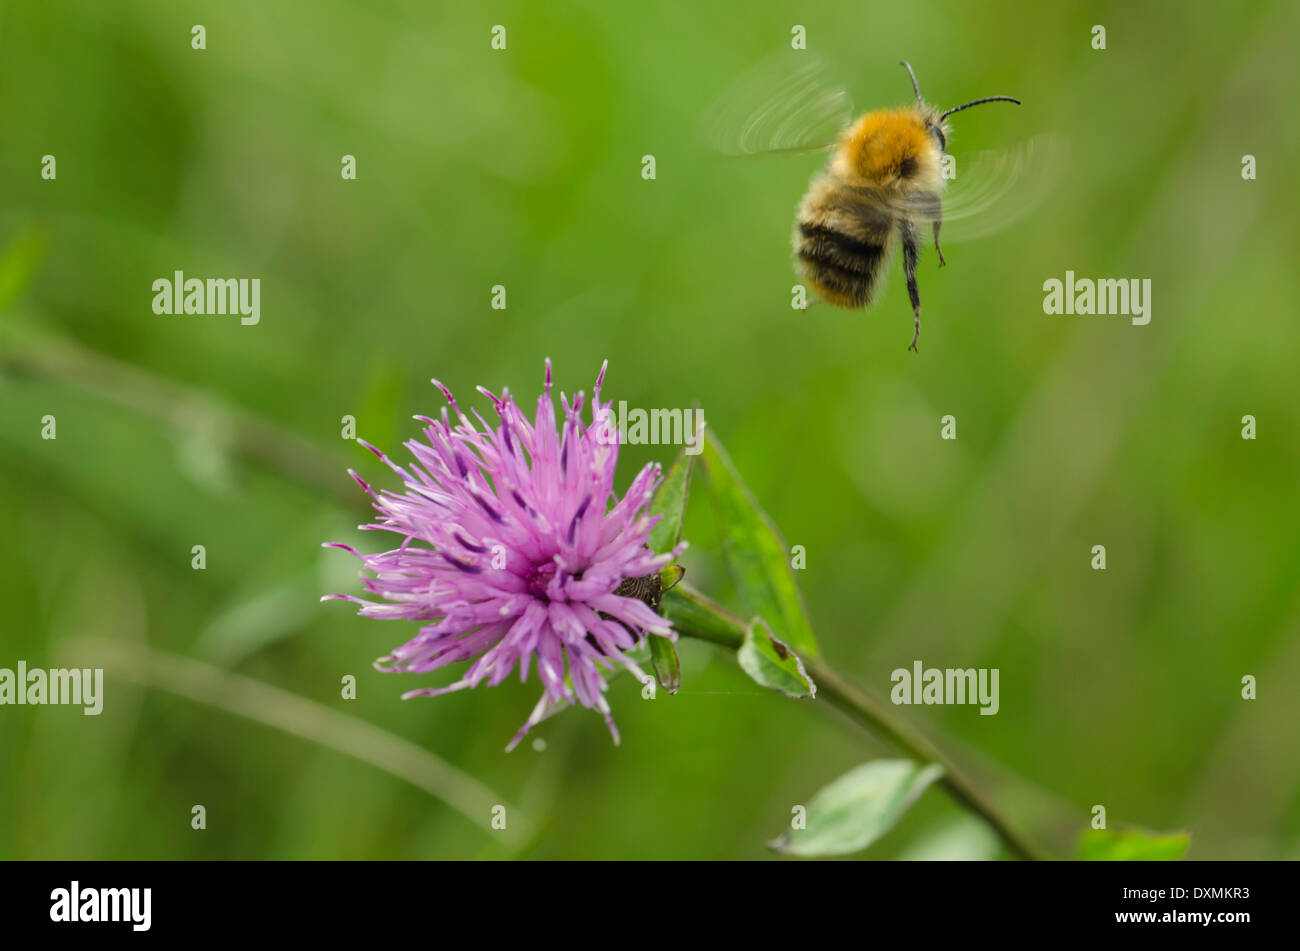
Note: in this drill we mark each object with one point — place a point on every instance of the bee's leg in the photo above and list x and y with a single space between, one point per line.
936 216
909 269
929 207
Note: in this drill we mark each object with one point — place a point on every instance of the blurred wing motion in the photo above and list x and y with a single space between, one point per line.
789 102
993 189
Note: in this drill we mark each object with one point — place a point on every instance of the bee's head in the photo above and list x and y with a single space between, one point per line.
935 121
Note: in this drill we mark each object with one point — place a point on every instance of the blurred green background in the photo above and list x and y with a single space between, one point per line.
523 168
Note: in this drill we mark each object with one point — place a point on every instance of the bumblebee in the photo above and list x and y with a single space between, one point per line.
882 184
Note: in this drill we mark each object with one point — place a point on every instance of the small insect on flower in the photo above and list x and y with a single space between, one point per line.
515 548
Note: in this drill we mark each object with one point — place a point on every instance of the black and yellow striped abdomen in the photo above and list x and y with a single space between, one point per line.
842 237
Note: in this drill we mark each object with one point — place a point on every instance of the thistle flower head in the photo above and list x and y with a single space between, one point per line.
512 545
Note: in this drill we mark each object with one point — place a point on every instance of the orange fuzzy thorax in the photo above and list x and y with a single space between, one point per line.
876 149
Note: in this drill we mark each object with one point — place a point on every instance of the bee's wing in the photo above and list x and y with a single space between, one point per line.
993 189
789 102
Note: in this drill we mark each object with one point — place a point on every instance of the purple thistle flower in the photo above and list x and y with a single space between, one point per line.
513 543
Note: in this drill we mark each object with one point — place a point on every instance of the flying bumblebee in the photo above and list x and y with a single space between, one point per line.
883 182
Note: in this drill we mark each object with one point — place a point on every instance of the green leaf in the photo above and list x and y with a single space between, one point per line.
670 502
963 839
1132 845
668 669
858 808
770 663
756 554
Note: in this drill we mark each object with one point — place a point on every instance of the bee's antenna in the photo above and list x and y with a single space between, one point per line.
915 85
977 102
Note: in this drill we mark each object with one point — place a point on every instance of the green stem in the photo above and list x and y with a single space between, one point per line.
694 615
